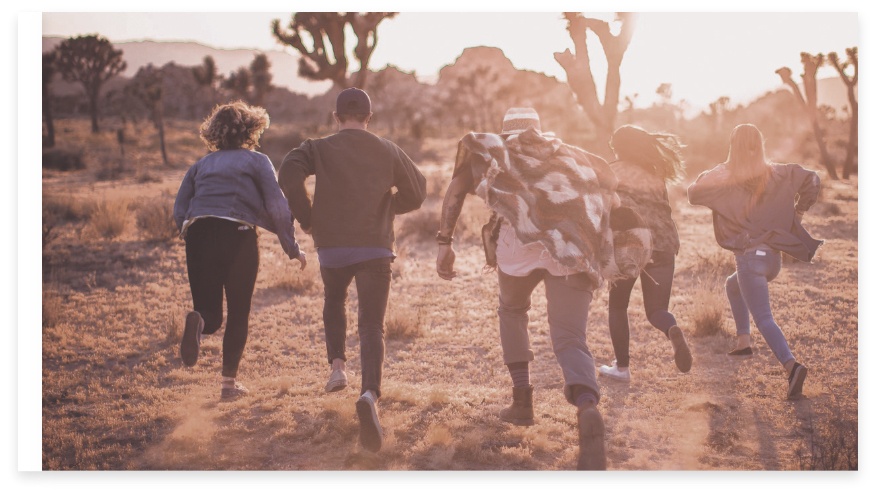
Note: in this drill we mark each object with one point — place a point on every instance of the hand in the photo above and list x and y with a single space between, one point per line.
444 264
302 260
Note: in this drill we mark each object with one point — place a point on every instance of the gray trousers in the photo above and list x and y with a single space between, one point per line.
568 303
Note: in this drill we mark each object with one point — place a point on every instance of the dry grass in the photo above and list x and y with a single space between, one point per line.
110 217
115 395
155 220
403 323
707 311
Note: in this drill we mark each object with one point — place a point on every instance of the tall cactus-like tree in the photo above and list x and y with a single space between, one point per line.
851 83
238 82
207 77
260 78
580 76
48 74
320 39
148 87
809 102
90 60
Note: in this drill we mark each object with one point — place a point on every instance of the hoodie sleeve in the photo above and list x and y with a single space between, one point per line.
409 181
708 187
808 185
296 167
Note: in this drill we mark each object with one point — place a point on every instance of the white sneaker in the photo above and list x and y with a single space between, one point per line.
614 373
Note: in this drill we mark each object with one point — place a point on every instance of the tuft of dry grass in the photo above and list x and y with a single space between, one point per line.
404 322
707 311
155 220
53 307
110 218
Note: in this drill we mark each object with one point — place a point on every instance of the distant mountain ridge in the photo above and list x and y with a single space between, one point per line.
284 66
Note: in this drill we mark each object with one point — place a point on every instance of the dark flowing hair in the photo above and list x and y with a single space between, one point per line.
234 125
657 152
747 161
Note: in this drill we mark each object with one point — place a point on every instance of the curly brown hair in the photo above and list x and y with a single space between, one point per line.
234 125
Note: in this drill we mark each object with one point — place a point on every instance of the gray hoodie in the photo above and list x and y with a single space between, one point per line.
771 222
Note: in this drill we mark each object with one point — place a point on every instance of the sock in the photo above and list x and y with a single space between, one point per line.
228 382
519 374
583 395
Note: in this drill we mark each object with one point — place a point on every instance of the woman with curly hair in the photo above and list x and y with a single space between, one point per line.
756 208
222 200
646 163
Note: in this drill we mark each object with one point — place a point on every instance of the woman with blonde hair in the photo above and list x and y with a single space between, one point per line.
646 163
223 198
757 207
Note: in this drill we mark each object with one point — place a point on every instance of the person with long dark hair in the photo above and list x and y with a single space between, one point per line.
757 207
646 163
221 201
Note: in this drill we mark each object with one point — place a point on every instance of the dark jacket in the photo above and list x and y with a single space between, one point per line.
239 184
645 192
353 200
772 221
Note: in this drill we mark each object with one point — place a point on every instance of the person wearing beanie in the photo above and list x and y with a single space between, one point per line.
550 203
362 182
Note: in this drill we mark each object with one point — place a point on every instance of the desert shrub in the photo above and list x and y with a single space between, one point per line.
420 225
63 160
403 323
67 208
297 281
144 176
61 210
155 220
707 311
52 307
110 217
833 447
714 265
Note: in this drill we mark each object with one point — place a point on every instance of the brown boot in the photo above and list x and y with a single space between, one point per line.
520 411
591 439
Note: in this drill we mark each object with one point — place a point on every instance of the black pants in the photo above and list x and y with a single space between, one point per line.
221 256
656 288
372 284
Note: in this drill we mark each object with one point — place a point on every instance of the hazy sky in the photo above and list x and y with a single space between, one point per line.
703 55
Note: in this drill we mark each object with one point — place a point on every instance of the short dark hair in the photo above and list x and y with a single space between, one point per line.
355 117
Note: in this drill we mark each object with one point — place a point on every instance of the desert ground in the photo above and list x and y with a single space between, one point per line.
116 396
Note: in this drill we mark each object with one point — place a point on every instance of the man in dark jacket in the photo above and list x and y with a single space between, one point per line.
351 221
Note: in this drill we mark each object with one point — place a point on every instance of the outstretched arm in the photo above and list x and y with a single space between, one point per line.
296 166
454 199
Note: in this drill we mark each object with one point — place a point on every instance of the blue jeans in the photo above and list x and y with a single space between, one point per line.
748 293
568 303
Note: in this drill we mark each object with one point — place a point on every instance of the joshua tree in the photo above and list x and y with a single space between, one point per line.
92 61
811 63
260 72
851 83
48 74
580 76
207 76
148 87
323 53
238 82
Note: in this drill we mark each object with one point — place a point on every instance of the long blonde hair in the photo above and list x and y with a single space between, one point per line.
747 161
